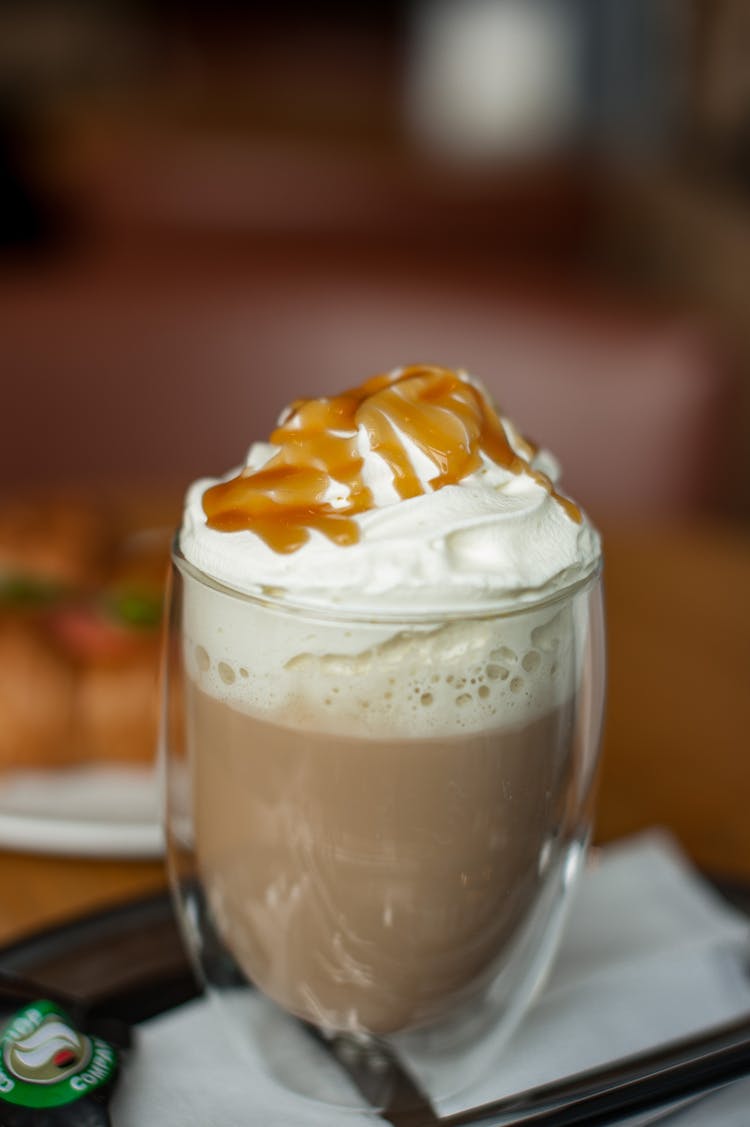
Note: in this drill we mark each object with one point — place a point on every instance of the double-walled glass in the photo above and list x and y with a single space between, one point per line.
377 820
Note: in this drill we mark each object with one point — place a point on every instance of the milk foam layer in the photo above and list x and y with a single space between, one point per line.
381 679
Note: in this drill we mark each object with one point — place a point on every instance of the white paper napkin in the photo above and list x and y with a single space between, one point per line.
650 953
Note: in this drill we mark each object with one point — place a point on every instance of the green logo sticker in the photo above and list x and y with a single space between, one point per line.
46 1062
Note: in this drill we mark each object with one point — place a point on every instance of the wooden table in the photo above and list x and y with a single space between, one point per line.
677 734
676 747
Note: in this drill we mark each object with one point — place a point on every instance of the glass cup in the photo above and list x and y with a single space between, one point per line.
375 821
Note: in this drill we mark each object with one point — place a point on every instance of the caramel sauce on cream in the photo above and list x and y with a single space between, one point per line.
442 415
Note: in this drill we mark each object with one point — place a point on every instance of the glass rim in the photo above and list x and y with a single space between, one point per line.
270 601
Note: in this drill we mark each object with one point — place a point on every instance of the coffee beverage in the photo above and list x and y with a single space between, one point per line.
376 809
373 885
386 667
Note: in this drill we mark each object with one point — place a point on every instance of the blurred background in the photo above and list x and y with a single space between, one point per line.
209 209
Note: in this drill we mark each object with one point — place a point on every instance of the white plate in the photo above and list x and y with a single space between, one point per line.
84 811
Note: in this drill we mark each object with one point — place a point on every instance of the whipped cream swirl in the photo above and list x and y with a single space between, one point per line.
498 536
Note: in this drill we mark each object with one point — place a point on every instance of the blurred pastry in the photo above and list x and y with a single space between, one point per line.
53 544
80 610
36 697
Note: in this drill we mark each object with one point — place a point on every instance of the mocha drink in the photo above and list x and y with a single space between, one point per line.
382 703
377 808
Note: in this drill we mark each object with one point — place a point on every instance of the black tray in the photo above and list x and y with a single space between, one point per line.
127 962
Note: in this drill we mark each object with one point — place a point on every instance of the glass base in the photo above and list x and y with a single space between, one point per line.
361 1072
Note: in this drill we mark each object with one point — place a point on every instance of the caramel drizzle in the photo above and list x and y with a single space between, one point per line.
444 416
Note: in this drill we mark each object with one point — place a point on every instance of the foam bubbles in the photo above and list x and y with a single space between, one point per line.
374 679
546 637
226 672
497 672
